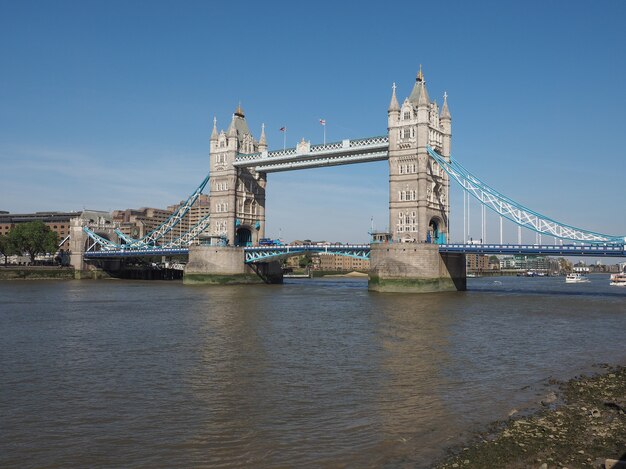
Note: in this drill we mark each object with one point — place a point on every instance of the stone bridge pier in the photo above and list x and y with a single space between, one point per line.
102 224
225 265
415 268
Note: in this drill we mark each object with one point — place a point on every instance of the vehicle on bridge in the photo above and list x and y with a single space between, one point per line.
270 242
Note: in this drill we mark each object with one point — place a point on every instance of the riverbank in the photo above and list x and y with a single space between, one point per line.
583 424
353 274
36 273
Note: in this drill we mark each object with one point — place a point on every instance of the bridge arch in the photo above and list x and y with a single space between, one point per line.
243 236
436 231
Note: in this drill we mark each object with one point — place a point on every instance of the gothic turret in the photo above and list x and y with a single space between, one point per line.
214 133
262 140
415 95
393 113
423 105
445 113
423 100
213 141
393 105
446 126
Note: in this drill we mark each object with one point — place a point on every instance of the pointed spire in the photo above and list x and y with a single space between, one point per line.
214 133
445 113
416 93
423 100
239 111
232 130
394 106
262 140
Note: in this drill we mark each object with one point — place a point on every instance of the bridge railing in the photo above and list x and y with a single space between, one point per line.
514 211
263 253
614 249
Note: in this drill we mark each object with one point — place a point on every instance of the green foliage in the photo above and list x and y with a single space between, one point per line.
305 260
33 238
5 247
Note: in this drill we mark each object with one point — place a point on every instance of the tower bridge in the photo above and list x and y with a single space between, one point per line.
417 254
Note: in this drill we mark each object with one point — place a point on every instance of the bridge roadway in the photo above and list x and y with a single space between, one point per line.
362 251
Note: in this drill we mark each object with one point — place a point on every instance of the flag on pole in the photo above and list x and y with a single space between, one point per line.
323 123
282 129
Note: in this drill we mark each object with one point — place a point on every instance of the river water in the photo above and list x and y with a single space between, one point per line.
313 373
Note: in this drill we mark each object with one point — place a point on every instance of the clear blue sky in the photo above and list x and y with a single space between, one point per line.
109 104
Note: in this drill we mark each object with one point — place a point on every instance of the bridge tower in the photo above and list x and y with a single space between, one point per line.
418 187
418 200
237 195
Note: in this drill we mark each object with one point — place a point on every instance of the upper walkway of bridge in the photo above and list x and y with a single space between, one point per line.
315 156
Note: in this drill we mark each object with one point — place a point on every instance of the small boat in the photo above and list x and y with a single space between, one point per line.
576 278
618 280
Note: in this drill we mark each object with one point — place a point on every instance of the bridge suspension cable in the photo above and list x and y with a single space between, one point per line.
150 240
511 210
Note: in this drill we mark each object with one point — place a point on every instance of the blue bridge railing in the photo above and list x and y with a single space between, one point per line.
362 251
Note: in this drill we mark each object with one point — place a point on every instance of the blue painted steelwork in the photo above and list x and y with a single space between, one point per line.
362 251
151 238
266 253
596 250
136 253
514 211
101 242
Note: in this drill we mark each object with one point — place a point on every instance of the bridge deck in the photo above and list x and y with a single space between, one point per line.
596 250
264 253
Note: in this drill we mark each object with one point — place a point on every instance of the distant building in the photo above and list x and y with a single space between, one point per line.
329 262
507 262
342 263
477 262
137 223
537 263
59 222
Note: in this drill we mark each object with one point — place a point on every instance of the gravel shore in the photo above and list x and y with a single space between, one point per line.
582 425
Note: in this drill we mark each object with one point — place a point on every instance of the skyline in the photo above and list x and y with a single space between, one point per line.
110 106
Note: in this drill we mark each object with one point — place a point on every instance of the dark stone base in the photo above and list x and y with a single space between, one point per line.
36 273
411 285
415 268
223 279
91 274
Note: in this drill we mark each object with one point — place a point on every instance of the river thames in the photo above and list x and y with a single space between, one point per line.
310 373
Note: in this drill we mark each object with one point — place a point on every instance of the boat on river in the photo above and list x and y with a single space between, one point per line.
576 278
618 280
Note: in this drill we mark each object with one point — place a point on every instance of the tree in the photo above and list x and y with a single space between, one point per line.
305 260
5 248
34 238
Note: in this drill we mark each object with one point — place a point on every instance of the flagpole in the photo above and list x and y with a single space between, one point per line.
285 139
324 132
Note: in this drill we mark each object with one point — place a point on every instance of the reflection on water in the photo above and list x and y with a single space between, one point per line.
310 373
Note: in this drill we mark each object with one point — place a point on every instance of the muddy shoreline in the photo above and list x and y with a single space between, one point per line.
581 424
